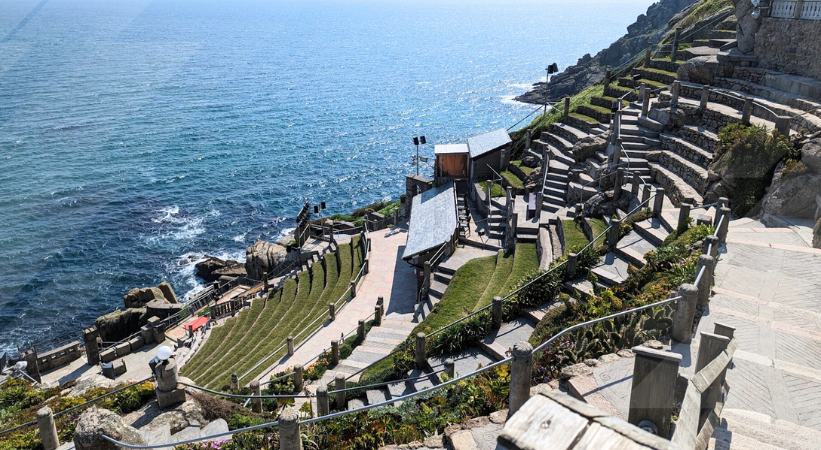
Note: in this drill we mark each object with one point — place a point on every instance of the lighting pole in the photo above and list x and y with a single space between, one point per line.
418 140
549 70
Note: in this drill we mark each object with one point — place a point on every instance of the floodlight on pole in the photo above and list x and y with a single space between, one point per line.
417 141
549 70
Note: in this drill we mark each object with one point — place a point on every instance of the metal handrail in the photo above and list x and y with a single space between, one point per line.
251 396
386 383
193 440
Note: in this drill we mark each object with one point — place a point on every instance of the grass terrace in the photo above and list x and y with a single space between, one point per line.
496 190
257 335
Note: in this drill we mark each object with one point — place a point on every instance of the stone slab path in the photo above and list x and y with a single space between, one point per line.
389 277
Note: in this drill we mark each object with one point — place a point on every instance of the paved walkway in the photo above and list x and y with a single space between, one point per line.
389 277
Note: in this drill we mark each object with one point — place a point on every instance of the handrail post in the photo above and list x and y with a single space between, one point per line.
710 346
256 401
705 98
290 341
339 387
289 436
607 75
419 353
377 316
724 225
331 312
658 202
652 394
234 383
572 263
613 234
645 99
683 215
426 281
323 406
685 313
706 284
710 242
360 331
746 110
636 187
674 93
450 368
335 352
645 194
521 369
353 288
782 125
46 429
618 182
299 378
496 312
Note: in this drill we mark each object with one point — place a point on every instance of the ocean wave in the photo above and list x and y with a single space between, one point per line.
179 227
184 269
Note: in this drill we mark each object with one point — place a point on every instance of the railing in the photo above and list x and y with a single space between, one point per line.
796 9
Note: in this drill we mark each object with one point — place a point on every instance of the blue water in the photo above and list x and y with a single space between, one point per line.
137 136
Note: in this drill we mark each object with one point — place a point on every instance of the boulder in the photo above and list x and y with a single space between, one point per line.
96 422
530 161
811 155
211 268
168 292
701 69
747 25
138 297
588 146
792 195
816 234
262 257
119 324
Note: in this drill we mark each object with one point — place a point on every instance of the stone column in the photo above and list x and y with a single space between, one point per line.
450 368
32 364
645 194
335 352
339 395
616 152
566 107
419 353
521 369
234 383
705 97
711 244
746 110
658 202
331 312
572 263
92 348
706 284
618 182
496 312
46 429
299 378
645 100
360 331
613 235
652 395
636 187
289 437
366 265
290 342
323 404
674 93
377 316
683 215
782 125
256 402
168 390
724 226
685 313
710 347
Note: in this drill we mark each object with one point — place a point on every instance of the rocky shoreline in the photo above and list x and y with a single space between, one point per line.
647 30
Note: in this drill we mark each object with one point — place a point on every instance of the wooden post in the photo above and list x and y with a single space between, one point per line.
685 313
419 353
256 402
323 404
46 429
360 331
658 202
652 395
572 263
709 348
335 352
377 316
289 436
746 110
683 215
339 395
645 194
521 369
613 235
710 242
724 226
331 312
299 378
290 341
496 312
566 107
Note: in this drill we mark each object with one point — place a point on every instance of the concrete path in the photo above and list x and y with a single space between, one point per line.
389 277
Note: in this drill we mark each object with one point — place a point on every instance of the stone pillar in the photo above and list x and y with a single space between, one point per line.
331 312
419 353
658 202
168 390
234 383
674 48
334 352
706 284
782 125
339 395
674 93
645 100
616 152
799 8
256 402
450 368
290 342
613 235
685 313
360 331
353 289
607 80
746 110
377 316
32 365
323 404
711 244
566 107
724 226
496 312
92 348
723 201
618 182
636 187
289 437
572 263
521 369
705 97
645 194
46 429
265 282
366 265
652 395
683 215
710 347
299 378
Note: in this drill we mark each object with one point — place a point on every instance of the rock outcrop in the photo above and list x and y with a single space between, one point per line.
118 324
796 185
263 257
95 422
212 268
648 30
701 69
139 297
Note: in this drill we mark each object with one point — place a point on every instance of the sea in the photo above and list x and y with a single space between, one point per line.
138 136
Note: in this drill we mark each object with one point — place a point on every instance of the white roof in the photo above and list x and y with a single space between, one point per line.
442 149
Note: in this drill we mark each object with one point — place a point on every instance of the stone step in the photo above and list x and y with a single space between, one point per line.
553 184
355 403
557 177
556 141
555 192
797 100
375 396
612 270
720 42
652 230
722 34
633 247
699 137
692 174
675 187
559 156
687 150
500 342
664 64
659 75
569 132
602 115
741 429
465 361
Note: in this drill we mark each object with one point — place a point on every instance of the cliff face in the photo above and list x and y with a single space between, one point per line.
648 29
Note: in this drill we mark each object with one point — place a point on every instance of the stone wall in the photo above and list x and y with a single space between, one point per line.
790 46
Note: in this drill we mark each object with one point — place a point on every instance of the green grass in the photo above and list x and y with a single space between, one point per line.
598 226
574 237
584 118
652 83
526 170
541 122
251 337
525 263
504 265
658 71
599 109
496 189
512 180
